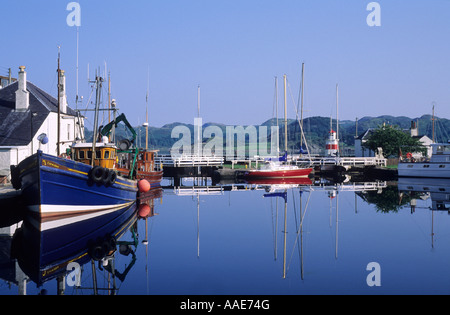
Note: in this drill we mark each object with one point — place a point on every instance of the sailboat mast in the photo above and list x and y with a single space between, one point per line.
301 110
276 114
285 117
146 111
199 136
337 118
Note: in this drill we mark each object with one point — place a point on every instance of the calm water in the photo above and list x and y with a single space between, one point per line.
236 240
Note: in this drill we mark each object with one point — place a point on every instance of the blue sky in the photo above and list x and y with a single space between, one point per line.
234 49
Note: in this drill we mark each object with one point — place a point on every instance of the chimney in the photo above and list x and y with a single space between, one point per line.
414 129
62 92
22 95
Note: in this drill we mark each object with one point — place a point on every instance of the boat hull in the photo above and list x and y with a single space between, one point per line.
424 170
278 174
53 186
154 177
280 181
45 249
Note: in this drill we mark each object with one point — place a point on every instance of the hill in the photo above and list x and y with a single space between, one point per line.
316 131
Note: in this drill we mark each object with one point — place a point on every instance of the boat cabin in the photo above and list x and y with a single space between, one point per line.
441 153
146 161
105 154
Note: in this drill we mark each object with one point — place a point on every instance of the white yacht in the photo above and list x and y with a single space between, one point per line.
437 167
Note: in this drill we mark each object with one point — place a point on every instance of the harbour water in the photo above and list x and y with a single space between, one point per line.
241 240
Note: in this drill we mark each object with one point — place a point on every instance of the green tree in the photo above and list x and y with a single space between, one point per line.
392 139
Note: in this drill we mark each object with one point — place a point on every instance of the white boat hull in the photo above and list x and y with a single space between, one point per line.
424 170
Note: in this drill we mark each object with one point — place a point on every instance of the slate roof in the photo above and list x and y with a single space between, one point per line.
14 125
365 134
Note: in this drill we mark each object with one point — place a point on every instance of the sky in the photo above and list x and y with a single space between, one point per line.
233 50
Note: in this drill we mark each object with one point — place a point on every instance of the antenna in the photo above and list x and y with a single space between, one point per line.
76 97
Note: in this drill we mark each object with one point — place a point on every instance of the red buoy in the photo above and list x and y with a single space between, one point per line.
144 210
143 185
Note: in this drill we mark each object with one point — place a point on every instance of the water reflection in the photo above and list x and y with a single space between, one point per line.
42 250
260 237
300 209
436 189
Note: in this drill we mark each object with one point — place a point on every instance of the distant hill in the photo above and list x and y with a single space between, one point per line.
316 131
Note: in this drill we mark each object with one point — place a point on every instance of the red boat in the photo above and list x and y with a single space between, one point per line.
280 181
278 171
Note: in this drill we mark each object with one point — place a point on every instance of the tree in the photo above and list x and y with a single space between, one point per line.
392 139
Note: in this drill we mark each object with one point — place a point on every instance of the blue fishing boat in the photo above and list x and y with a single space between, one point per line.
83 180
55 186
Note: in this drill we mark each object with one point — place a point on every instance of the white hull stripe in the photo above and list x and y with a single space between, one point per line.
49 209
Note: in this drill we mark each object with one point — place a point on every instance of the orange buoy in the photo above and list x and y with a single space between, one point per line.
143 185
144 210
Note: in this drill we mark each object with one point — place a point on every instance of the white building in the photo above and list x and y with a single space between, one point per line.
360 151
26 112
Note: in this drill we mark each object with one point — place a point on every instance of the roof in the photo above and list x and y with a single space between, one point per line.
365 134
15 125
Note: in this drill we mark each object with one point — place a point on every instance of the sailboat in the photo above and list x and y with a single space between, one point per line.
55 186
274 168
146 167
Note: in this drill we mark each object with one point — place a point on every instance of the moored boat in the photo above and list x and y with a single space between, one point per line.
278 171
83 180
279 168
438 166
49 184
144 168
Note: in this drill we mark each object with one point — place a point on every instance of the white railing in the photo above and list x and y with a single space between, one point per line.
189 160
198 190
344 161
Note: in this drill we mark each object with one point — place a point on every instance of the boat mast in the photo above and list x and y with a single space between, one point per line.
199 136
146 111
76 97
58 150
285 117
276 115
433 124
109 101
301 110
337 118
98 82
